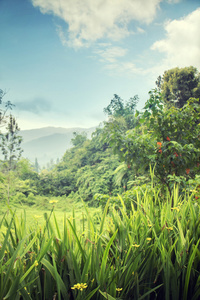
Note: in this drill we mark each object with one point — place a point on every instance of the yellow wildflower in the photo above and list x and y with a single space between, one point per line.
53 201
176 208
26 290
148 239
136 246
36 263
170 228
119 289
79 286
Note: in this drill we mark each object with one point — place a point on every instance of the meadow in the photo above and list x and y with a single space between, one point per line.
149 251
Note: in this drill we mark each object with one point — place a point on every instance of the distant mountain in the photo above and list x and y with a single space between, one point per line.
48 143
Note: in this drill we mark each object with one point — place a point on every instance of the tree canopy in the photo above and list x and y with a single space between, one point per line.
177 85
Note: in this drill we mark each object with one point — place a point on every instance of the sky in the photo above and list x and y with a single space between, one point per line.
61 61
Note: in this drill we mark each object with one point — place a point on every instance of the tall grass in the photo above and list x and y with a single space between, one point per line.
149 252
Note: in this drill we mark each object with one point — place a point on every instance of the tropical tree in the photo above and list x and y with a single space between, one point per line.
118 108
177 85
121 119
167 137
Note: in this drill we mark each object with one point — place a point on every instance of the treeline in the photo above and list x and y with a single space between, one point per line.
164 137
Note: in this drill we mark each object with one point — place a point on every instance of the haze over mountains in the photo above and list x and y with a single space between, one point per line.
48 143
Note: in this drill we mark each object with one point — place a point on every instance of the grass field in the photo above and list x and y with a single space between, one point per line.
35 213
148 252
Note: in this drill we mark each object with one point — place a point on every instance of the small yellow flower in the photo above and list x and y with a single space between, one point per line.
170 228
176 208
135 245
133 273
37 217
36 263
119 289
148 239
79 286
53 201
26 290
149 225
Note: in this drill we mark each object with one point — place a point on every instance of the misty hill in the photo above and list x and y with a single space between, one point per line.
48 143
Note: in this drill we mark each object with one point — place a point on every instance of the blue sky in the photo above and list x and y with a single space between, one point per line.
62 61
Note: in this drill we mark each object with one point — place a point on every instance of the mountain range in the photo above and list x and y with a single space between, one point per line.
48 144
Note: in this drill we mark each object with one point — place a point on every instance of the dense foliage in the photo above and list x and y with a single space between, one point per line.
179 85
165 135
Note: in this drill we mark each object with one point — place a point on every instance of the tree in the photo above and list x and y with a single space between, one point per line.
36 166
11 149
119 108
5 106
177 85
167 138
121 119
11 143
78 138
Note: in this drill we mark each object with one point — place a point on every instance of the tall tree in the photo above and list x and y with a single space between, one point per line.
119 108
121 119
4 107
11 143
11 149
36 166
177 85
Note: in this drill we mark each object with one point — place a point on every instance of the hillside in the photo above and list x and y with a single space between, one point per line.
48 143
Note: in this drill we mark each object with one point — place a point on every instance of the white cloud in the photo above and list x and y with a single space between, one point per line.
124 68
115 62
111 54
182 43
129 68
90 20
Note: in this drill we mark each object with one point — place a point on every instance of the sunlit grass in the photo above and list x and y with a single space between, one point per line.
35 214
148 252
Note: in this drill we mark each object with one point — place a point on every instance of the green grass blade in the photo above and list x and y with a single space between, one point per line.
187 278
3 248
89 296
56 223
107 296
56 276
77 239
13 289
105 255
149 292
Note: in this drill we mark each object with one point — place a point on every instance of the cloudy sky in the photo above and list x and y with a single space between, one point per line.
61 61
